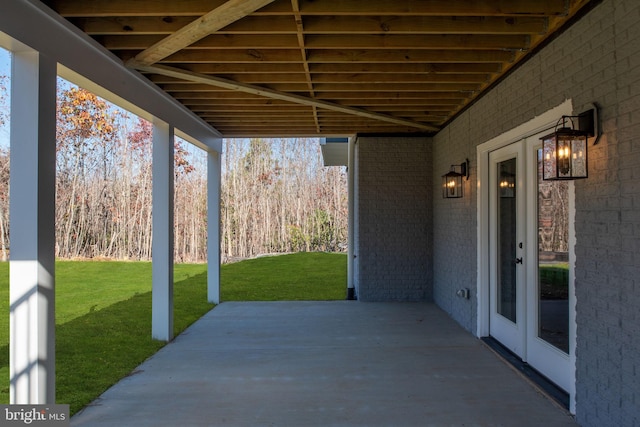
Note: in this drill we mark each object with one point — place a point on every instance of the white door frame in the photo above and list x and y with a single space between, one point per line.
548 359
538 124
510 332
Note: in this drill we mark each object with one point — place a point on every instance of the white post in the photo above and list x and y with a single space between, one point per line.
162 247
213 231
32 195
350 220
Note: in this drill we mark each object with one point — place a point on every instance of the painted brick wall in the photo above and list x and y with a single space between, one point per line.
608 223
455 227
596 60
394 248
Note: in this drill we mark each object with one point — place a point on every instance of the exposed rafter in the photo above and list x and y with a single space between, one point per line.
295 6
218 18
274 94
322 67
325 7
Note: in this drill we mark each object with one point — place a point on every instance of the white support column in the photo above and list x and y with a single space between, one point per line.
162 269
214 171
32 195
351 169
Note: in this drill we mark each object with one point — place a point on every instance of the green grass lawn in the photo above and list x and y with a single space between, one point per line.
103 311
302 276
554 280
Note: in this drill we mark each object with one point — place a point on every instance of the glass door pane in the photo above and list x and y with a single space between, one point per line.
506 239
553 261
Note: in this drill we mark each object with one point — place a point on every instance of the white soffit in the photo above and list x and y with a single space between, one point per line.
335 151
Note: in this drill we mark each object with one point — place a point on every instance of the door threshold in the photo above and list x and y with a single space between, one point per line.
541 382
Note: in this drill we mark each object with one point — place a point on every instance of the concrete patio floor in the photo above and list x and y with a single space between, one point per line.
338 363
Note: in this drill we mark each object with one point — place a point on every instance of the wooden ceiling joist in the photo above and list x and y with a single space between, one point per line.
70 8
220 17
314 41
415 68
213 98
419 25
354 67
354 79
435 7
400 56
321 67
273 94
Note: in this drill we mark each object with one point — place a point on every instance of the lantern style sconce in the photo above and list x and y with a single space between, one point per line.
452 180
564 152
507 184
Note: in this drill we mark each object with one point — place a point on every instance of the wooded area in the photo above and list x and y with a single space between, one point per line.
276 194
278 197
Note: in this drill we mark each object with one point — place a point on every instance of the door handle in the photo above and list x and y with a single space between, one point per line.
519 260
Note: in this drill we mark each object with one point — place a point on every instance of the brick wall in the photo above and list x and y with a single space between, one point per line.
455 226
596 60
394 219
608 223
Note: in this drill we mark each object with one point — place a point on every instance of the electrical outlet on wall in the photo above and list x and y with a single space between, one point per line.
463 293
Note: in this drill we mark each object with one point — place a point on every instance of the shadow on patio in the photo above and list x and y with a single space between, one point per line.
339 363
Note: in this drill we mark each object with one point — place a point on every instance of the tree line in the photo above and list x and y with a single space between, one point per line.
276 195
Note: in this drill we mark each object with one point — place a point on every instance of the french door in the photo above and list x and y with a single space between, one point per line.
530 273
506 247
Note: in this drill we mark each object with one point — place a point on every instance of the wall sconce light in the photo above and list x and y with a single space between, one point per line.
507 184
564 152
452 180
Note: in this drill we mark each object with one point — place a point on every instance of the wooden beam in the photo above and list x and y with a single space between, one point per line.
414 25
161 8
220 94
214 41
334 25
397 109
409 56
422 41
266 104
220 17
98 8
309 7
435 7
141 25
257 114
426 104
392 95
262 56
416 68
263 102
216 68
387 78
465 89
348 68
370 56
136 25
329 41
246 109
331 78
276 95
390 25
394 87
295 6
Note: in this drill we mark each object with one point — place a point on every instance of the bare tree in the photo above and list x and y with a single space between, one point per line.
4 172
277 197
